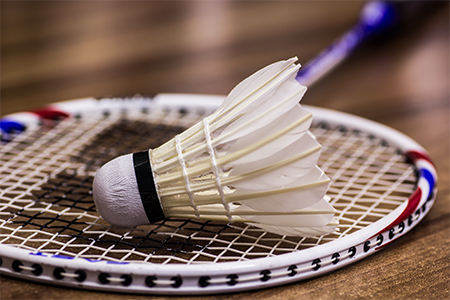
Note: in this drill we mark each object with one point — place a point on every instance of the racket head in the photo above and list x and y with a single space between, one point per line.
211 257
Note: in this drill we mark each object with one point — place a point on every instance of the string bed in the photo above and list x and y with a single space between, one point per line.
46 203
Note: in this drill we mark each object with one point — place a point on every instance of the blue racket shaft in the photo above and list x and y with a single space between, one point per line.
376 18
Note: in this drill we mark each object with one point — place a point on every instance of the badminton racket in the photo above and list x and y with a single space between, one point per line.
382 185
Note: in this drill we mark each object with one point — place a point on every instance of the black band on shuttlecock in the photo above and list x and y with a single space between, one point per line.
147 187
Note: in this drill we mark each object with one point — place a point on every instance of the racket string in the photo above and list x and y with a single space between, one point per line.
371 186
61 219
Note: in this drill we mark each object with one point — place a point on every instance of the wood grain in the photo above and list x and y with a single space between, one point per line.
52 51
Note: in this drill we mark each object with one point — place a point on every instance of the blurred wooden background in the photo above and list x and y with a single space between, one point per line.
52 51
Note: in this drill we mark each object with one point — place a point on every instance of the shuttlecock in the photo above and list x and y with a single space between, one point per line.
253 160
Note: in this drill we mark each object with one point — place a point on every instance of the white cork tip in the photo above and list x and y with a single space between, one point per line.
116 193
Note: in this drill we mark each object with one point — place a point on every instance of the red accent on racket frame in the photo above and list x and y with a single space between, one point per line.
414 156
50 113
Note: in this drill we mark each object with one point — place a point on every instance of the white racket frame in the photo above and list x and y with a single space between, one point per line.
211 278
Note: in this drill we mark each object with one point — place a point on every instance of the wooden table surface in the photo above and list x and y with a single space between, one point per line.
52 51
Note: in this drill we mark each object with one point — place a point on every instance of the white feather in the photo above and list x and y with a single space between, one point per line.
301 193
280 169
273 137
258 83
306 220
287 96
